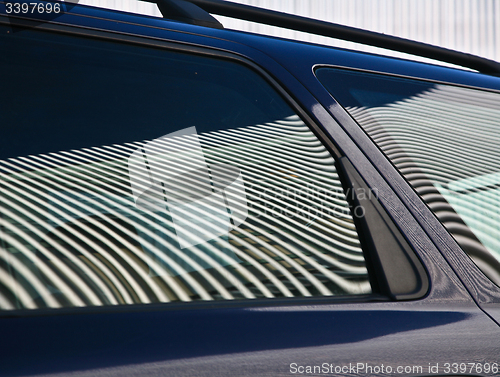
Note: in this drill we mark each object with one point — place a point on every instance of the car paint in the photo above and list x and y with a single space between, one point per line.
272 337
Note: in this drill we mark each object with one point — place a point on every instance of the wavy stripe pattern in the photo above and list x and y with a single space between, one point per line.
71 234
446 142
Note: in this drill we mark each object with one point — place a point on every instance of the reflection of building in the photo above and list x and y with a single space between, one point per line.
445 142
75 234
466 25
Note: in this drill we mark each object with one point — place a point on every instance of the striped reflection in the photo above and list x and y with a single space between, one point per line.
73 234
128 211
446 141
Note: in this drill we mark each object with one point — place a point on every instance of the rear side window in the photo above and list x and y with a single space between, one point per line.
445 140
134 175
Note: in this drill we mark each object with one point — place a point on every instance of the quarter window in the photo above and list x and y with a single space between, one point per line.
445 140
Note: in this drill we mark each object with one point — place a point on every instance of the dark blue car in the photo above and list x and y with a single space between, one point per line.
177 199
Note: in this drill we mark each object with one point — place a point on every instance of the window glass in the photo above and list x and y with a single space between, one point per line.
133 175
445 140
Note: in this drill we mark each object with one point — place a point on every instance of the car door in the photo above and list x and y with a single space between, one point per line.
185 206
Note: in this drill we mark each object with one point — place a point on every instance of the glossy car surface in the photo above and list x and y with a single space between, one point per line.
428 308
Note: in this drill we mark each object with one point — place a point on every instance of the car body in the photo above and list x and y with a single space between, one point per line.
82 92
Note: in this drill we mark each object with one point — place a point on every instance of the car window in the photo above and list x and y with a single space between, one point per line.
140 175
445 140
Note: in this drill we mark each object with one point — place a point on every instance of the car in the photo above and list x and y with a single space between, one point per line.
178 199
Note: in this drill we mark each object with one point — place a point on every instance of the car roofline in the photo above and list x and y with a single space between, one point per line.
198 12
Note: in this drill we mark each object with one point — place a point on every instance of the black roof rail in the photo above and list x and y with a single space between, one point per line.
346 33
185 11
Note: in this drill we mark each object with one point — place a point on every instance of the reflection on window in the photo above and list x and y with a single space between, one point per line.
251 212
446 141
131 174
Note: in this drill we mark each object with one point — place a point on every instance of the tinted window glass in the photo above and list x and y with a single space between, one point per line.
134 175
90 90
445 140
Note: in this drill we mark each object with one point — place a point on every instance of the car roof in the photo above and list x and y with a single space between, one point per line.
305 54
280 49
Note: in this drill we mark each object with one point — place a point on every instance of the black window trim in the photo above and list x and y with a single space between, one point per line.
408 77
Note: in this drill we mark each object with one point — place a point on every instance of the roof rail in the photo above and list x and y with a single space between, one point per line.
346 33
185 11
